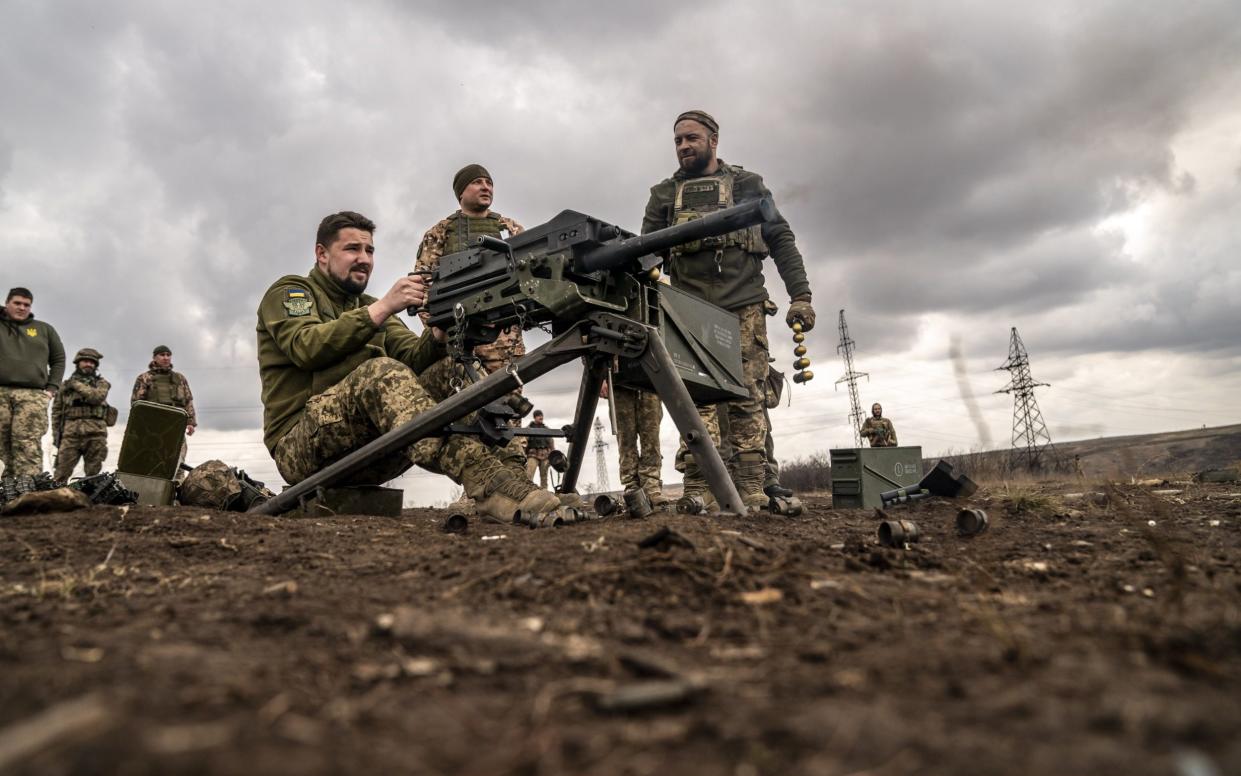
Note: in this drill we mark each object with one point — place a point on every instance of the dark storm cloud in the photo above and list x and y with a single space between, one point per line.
162 164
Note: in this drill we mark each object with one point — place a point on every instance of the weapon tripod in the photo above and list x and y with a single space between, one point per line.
598 338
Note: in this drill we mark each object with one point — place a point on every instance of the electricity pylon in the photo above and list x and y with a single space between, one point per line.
1032 447
845 349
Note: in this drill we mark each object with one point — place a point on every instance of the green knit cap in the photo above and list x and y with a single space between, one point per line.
467 174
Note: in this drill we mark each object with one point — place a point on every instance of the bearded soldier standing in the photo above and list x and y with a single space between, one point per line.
878 429
80 417
164 385
728 271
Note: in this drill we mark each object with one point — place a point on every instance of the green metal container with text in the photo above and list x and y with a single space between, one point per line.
860 474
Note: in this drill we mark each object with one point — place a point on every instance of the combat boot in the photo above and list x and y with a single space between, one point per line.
750 472
695 486
774 489
500 494
655 492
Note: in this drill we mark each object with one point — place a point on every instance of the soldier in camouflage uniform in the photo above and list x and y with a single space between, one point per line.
339 368
727 271
638 417
474 190
32 363
538 451
163 385
878 429
79 417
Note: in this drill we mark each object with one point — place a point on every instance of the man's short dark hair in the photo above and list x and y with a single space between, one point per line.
538 413
345 219
18 291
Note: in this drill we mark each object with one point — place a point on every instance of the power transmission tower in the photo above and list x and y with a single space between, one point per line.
1032 447
845 349
602 485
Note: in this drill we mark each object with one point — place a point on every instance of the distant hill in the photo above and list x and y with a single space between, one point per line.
1139 455
1173 451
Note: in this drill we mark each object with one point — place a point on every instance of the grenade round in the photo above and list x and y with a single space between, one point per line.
801 363
799 338
800 350
803 377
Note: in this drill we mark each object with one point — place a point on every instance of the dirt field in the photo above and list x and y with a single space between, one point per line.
1073 637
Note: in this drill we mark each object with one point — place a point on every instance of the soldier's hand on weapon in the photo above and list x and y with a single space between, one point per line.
439 335
409 292
800 311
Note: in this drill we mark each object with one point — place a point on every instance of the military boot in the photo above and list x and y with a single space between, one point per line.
750 472
501 494
655 492
695 485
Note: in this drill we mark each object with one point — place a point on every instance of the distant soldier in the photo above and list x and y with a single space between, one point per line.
878 429
162 385
638 416
32 363
727 271
538 451
80 417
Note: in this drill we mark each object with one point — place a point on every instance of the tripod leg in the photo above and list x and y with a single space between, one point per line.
662 373
587 400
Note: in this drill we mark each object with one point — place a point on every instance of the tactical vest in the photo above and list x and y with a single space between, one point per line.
697 197
464 230
164 390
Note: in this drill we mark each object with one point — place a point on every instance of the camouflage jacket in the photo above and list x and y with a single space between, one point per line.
145 390
880 432
734 278
311 334
81 401
508 344
539 447
435 242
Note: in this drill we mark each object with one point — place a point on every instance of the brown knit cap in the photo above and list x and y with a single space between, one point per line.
466 175
702 117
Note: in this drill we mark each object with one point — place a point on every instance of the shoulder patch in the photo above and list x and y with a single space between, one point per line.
297 301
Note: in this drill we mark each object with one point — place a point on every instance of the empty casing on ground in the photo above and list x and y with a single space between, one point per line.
540 520
456 523
605 505
897 533
691 505
971 522
637 502
789 507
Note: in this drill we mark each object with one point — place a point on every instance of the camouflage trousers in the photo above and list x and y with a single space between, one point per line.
771 474
23 422
638 415
86 440
536 463
373 399
745 419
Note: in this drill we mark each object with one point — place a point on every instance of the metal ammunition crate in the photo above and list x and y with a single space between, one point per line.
860 474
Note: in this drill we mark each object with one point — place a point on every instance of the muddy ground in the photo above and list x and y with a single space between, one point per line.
1074 636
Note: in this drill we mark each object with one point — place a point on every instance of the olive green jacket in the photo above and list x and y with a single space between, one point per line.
31 354
737 281
311 334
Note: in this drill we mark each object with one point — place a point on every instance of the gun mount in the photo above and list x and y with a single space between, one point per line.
593 283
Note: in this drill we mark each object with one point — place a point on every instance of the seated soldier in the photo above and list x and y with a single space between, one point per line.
339 369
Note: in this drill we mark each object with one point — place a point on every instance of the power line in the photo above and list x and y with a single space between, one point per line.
1032 447
845 349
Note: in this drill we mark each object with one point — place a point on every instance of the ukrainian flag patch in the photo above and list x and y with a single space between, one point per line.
297 302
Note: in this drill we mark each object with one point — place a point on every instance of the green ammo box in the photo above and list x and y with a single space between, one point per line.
860 474
152 491
154 434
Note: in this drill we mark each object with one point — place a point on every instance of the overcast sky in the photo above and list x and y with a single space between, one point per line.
951 169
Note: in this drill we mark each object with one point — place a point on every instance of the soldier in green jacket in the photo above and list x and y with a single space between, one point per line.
32 363
79 417
878 429
728 271
339 369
